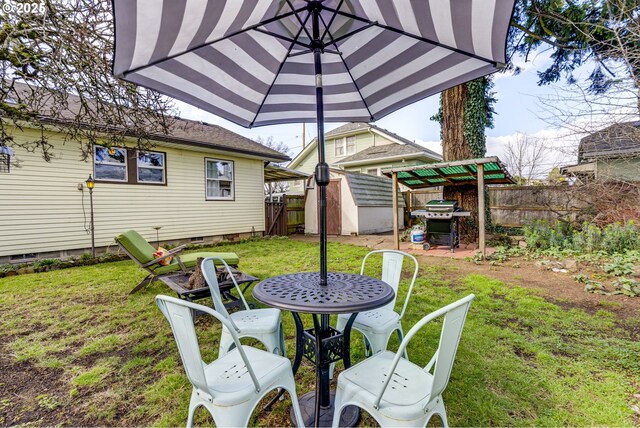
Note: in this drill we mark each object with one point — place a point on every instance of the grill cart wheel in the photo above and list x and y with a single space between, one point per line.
426 246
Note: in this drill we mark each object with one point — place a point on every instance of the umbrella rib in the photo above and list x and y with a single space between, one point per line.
326 27
277 73
280 36
300 21
194 48
348 71
413 36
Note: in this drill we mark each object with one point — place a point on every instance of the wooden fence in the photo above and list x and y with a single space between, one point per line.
512 206
284 215
295 213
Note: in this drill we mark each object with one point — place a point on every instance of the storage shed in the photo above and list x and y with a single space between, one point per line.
356 204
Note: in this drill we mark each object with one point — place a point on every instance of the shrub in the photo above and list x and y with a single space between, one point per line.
587 238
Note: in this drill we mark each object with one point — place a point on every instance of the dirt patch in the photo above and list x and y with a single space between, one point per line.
33 395
556 287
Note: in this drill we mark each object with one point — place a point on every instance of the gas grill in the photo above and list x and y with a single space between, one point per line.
440 218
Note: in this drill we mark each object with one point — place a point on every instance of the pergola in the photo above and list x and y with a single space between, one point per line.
456 173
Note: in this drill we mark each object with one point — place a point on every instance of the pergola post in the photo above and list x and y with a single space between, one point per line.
396 232
481 211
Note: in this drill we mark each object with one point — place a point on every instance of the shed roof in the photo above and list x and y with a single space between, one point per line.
618 140
455 173
370 190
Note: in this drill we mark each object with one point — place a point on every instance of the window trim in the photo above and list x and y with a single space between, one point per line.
346 145
344 148
377 174
163 168
125 165
233 181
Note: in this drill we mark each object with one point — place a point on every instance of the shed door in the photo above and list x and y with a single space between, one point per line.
334 213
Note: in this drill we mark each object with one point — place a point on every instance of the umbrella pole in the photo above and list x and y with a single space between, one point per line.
322 179
322 168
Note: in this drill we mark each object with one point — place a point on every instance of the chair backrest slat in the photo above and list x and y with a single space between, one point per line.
446 353
181 321
208 268
392 263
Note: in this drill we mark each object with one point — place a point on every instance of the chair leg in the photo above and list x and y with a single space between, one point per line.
146 281
194 403
442 412
401 338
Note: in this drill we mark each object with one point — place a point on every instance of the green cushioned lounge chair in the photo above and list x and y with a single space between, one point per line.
141 252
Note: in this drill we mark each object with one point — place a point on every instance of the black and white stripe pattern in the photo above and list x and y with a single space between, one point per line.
215 54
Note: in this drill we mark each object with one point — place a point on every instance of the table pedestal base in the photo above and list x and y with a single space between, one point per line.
350 415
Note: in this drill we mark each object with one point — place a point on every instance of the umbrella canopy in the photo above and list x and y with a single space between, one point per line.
262 62
252 62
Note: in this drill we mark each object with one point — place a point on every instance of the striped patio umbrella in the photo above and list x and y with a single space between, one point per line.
263 62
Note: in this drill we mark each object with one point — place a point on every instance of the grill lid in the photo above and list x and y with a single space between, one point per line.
441 205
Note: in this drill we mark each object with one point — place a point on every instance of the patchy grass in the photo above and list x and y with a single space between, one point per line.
92 355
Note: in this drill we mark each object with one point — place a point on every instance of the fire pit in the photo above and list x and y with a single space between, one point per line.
179 283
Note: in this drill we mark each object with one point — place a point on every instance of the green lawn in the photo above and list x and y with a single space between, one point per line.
77 350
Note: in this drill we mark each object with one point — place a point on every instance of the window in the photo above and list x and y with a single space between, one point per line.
351 145
345 146
372 171
218 179
339 147
129 166
110 163
150 167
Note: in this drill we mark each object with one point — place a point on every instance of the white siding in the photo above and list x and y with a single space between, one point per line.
41 206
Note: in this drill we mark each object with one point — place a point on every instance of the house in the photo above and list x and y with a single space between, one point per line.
201 183
612 153
362 147
357 204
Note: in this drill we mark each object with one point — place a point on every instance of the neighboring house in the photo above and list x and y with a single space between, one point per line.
356 204
613 153
362 147
199 184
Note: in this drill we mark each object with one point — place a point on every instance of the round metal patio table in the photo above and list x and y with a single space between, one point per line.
322 344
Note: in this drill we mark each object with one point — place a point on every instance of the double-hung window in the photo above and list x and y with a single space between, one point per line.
345 146
130 166
218 179
339 146
351 145
150 167
110 163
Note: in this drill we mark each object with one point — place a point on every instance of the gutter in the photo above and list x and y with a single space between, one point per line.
385 159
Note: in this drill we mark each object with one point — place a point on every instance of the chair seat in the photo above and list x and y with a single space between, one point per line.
378 319
190 259
406 395
229 380
257 320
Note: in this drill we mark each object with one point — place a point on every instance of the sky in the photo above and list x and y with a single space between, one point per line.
518 108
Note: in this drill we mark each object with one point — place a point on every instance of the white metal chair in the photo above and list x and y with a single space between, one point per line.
264 325
378 325
397 392
231 386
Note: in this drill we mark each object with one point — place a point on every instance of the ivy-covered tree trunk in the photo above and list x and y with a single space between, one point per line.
466 110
